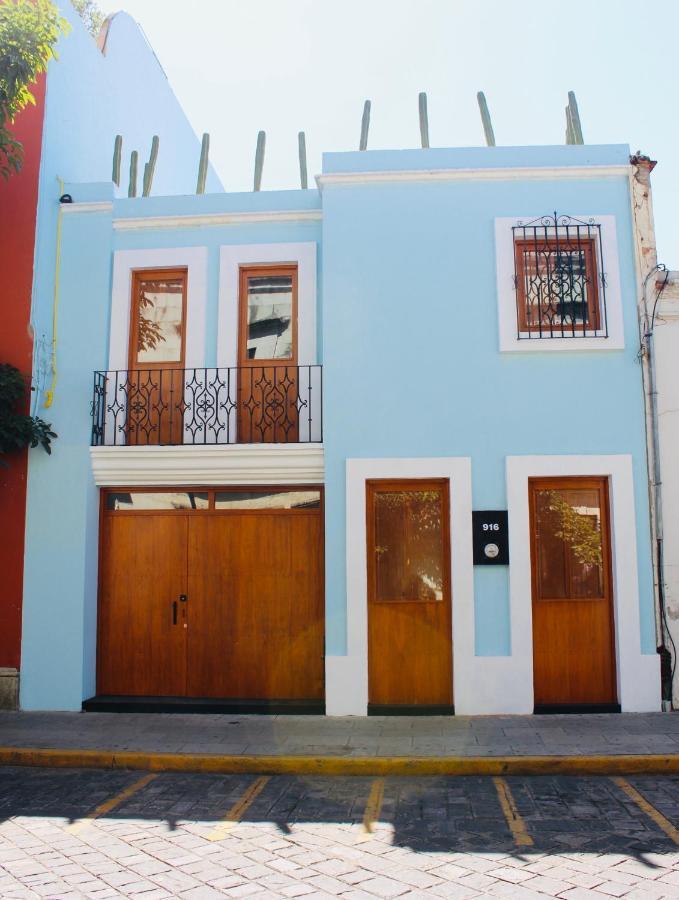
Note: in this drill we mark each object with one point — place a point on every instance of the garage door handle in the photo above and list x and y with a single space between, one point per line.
174 612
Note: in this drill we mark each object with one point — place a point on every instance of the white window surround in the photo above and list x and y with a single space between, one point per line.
638 674
125 262
231 258
347 676
506 293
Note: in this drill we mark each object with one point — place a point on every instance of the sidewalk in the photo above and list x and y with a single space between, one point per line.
588 744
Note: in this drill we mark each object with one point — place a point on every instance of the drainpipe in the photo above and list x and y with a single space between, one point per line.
648 267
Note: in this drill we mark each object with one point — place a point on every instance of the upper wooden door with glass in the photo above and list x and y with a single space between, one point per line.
409 603
268 390
573 638
155 391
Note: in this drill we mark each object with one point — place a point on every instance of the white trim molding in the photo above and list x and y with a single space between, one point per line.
88 206
506 293
638 673
504 173
210 220
347 676
222 464
231 258
125 262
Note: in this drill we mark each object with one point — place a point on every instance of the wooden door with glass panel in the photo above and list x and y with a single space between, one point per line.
573 637
268 389
155 391
409 602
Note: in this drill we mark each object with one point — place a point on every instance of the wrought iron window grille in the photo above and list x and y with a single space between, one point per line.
559 279
267 404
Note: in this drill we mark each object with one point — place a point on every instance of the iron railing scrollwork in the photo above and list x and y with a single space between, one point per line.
276 404
559 278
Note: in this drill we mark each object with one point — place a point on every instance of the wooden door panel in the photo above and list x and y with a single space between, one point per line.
155 407
409 601
410 658
268 410
256 617
573 629
142 652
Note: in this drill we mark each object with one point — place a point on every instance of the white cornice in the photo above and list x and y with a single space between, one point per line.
87 207
212 219
208 465
513 173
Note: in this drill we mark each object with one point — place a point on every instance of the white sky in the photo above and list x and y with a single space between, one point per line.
238 66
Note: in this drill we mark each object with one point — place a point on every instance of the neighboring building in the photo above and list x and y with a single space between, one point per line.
87 97
663 307
299 400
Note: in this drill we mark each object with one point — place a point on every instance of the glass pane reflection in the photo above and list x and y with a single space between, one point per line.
156 500
409 545
267 499
270 317
569 544
159 321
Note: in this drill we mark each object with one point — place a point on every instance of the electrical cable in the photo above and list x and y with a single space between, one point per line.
646 340
49 395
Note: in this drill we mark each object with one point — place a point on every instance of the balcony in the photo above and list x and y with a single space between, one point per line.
271 404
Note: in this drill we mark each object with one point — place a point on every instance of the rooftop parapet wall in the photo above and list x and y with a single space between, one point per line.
460 158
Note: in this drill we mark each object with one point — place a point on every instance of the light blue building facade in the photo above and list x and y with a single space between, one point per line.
430 371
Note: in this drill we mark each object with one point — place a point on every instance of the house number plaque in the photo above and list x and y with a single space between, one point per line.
491 540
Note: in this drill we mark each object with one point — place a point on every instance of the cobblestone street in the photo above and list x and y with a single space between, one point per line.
68 833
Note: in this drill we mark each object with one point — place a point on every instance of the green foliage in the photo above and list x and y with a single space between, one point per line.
92 16
150 332
29 29
16 429
579 532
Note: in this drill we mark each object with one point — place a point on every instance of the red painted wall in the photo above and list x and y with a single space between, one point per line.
18 210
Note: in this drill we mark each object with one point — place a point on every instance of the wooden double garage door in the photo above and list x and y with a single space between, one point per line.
212 593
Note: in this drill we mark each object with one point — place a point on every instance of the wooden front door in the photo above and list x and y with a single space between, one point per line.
268 388
409 598
573 636
142 621
256 615
212 593
155 390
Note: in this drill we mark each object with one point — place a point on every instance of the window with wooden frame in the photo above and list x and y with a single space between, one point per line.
268 314
559 279
158 318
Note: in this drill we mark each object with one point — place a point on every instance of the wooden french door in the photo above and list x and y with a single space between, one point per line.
155 392
409 597
212 593
573 633
268 388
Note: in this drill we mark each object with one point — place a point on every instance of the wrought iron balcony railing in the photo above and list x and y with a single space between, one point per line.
271 404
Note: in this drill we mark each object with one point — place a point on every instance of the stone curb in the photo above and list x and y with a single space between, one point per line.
615 764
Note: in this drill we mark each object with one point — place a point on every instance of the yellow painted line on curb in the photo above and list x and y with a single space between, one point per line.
516 824
622 764
108 805
373 807
238 810
649 809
